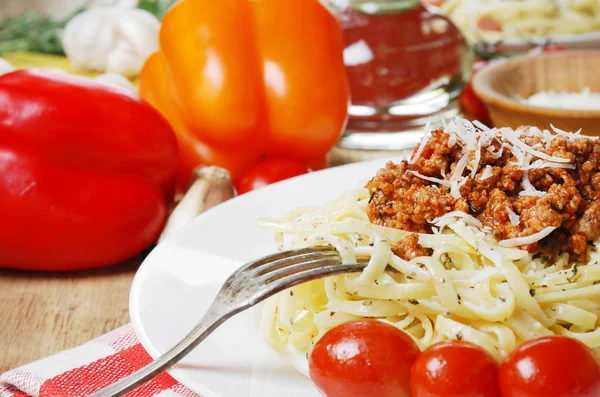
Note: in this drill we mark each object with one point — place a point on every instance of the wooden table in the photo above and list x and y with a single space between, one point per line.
41 314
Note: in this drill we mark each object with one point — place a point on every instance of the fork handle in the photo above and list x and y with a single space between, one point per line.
211 320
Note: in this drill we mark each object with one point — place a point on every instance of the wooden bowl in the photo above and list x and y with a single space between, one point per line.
501 84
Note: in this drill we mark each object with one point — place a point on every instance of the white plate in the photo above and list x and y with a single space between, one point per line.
179 279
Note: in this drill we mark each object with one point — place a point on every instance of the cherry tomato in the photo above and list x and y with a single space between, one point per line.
554 48
473 106
470 102
553 366
364 358
455 369
270 171
489 23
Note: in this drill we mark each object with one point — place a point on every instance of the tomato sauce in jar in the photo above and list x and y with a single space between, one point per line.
393 54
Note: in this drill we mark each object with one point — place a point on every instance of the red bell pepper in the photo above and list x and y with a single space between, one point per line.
86 172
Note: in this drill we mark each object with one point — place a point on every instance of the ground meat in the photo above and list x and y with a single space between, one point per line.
409 248
577 245
496 215
570 198
389 205
589 223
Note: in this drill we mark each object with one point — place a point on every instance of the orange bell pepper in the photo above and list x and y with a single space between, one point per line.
245 80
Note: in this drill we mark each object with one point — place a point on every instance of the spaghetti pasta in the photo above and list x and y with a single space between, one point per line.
470 287
496 20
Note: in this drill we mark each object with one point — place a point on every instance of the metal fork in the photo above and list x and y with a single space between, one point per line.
247 286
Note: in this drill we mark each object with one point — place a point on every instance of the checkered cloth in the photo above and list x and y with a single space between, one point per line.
88 368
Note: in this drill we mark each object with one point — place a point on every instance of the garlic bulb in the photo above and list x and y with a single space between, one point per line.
5 66
111 39
116 80
210 186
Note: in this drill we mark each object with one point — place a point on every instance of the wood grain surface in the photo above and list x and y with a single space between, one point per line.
41 314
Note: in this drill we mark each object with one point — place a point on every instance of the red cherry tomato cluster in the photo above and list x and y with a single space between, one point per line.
369 358
470 103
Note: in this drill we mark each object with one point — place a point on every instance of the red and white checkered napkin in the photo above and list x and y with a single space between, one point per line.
88 368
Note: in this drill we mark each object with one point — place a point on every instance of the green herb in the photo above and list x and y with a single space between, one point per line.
553 206
472 207
574 276
33 32
158 8
447 261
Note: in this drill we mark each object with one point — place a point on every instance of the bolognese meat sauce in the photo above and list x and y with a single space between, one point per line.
514 188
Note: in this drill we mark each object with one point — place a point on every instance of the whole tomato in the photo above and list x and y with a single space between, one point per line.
553 366
470 102
270 171
554 48
455 369
364 358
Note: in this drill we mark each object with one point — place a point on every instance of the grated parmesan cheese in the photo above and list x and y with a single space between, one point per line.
569 135
430 179
424 141
487 172
473 136
542 164
513 138
584 100
513 217
528 188
525 240
452 216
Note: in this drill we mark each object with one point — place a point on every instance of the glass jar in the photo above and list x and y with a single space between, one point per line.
406 64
